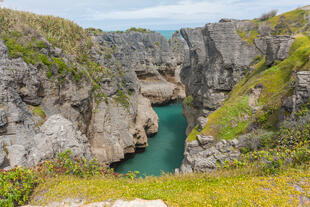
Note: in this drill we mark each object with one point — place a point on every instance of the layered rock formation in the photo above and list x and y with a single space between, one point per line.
156 61
219 58
72 116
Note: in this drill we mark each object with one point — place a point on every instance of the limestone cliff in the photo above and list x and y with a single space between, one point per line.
68 88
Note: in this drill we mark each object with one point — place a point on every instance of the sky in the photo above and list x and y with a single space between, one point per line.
152 14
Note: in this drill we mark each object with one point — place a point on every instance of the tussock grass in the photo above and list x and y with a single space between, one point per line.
60 32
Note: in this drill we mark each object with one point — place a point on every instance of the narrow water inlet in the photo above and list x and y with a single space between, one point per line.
166 148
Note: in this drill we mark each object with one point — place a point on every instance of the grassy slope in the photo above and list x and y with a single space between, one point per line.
295 22
224 189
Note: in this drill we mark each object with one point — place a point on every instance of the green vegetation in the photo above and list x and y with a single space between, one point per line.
38 111
16 186
193 135
292 22
94 31
121 98
31 54
157 44
225 188
188 101
289 23
229 120
249 36
134 29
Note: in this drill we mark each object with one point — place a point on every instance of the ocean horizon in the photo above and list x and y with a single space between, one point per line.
166 33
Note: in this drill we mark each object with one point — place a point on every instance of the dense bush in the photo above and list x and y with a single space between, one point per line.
134 29
16 186
268 15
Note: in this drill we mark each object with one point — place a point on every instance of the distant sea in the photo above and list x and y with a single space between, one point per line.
166 33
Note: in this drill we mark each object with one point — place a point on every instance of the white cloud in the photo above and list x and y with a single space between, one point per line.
154 14
190 10
180 10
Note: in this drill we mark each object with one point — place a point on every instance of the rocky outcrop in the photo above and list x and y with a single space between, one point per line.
206 154
156 61
302 88
274 47
301 95
56 135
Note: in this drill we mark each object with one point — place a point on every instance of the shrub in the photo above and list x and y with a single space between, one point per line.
121 98
134 29
66 164
188 101
268 15
16 186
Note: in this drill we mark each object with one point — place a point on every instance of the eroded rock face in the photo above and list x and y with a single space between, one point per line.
205 154
302 88
156 61
146 122
218 60
28 99
275 47
56 135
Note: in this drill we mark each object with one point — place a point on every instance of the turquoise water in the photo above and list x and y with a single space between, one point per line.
166 148
166 33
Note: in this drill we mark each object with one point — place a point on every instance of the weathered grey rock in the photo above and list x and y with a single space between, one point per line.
302 88
301 95
204 140
2 156
204 155
17 155
277 48
56 135
146 122
155 60
218 60
3 121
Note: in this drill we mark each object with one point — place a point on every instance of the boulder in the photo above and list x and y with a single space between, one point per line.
278 48
56 135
